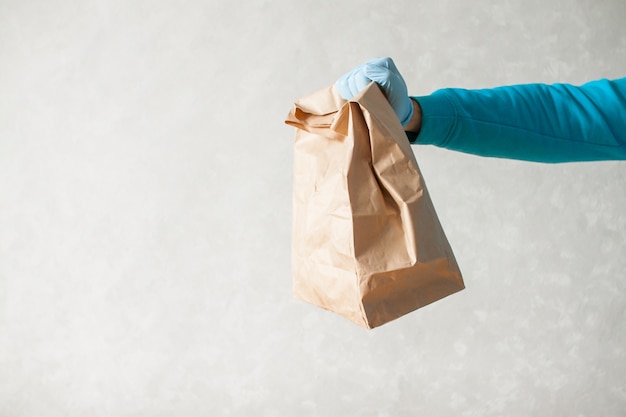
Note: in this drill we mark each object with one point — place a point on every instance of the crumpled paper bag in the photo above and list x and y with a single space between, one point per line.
367 243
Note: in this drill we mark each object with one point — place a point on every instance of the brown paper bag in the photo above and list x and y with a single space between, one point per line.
367 243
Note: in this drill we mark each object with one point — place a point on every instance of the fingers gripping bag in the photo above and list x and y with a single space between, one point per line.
366 241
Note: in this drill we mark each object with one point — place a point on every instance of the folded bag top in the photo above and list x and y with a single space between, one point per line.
366 240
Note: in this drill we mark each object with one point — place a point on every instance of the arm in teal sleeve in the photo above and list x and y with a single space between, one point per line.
534 122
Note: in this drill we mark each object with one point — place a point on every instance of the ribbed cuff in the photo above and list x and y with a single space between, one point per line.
438 118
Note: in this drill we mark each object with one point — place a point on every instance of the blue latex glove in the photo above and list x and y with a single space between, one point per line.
384 72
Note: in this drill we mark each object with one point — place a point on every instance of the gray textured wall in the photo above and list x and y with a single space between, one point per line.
145 202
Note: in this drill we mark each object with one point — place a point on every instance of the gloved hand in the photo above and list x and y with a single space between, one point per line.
384 72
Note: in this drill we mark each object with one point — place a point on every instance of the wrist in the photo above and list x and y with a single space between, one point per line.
415 123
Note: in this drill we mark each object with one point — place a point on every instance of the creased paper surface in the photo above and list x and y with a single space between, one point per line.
367 243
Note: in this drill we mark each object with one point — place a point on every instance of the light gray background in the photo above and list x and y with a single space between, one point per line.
145 208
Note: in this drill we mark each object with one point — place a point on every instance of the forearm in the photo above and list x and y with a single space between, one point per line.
537 122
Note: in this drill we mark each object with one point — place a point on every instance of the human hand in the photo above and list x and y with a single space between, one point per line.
384 72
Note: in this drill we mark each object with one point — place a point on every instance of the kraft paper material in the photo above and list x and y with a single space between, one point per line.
367 243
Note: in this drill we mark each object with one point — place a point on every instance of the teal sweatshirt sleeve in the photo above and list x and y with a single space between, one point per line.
533 122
